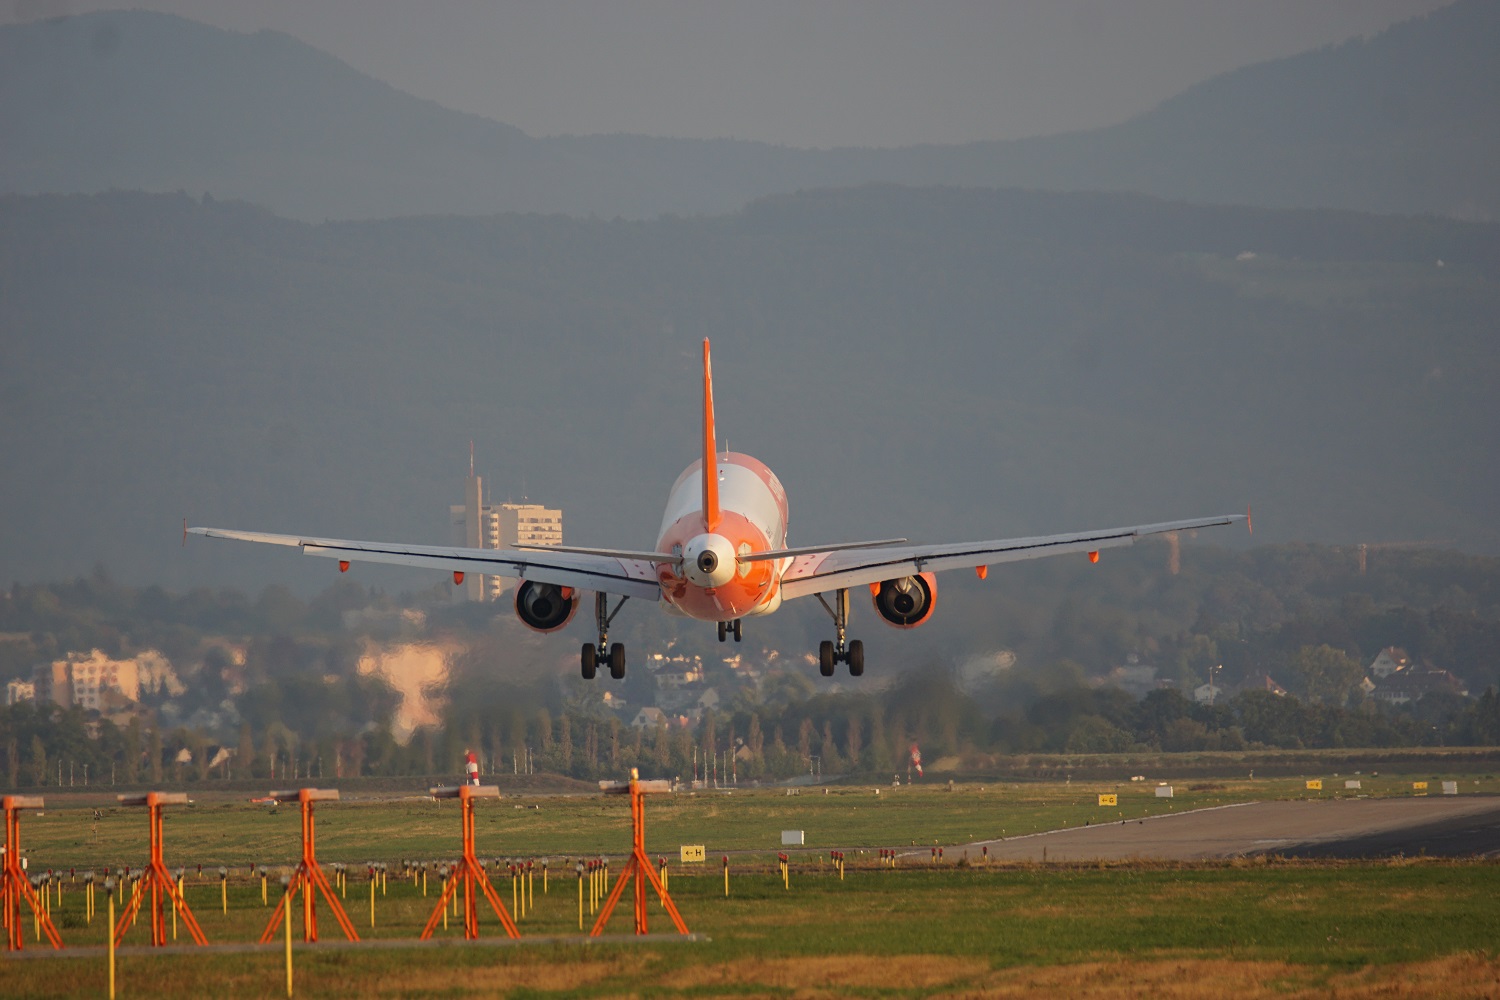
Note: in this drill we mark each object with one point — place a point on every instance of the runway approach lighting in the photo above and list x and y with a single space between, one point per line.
469 872
14 885
156 876
638 868
309 877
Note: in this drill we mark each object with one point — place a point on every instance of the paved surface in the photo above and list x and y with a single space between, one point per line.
1440 825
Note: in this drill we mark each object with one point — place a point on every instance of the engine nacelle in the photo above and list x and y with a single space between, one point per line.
545 607
906 602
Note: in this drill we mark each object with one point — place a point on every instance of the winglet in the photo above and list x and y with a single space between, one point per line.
710 448
1249 524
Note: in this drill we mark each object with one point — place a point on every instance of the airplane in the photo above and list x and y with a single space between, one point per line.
722 556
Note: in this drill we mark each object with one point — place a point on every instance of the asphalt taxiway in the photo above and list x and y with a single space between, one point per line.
1447 826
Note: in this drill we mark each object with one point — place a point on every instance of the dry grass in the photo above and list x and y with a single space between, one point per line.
829 972
1454 976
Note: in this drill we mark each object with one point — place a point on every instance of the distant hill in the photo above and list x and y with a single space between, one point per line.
1404 122
925 362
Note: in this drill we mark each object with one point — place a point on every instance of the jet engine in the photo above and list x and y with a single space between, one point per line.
906 602
545 607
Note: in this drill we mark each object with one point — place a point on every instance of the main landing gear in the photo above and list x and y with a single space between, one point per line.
829 654
727 629
593 655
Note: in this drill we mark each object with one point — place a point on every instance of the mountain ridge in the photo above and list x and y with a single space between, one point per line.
1401 122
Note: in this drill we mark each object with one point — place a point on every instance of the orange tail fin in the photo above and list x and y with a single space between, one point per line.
710 448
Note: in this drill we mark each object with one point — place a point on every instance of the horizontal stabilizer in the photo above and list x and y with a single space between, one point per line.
808 550
654 557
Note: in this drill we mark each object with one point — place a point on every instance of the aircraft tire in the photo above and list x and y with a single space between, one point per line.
825 658
589 659
856 658
738 631
617 661
723 630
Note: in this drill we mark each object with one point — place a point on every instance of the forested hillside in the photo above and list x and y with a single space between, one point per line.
926 363
275 675
1402 122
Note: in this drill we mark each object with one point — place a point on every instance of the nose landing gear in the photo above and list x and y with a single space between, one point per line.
852 652
592 656
727 629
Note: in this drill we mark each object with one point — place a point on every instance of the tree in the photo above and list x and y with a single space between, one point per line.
544 728
828 750
155 754
565 742
1325 674
267 762
245 755
38 761
198 746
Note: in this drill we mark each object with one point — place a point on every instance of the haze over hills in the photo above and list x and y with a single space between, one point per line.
938 363
1402 122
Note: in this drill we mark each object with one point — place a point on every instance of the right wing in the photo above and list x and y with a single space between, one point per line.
580 570
828 569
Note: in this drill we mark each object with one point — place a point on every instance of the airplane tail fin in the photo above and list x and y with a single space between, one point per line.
710 449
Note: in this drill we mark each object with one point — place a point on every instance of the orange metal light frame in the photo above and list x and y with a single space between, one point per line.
14 885
309 878
156 875
469 870
639 867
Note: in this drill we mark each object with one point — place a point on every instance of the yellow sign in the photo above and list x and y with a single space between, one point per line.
1315 785
692 852
1109 800
1419 786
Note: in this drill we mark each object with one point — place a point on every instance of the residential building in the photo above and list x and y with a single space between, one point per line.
1263 682
476 524
18 691
1388 661
649 718
97 682
1414 683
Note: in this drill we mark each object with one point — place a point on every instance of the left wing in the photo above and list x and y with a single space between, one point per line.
610 574
821 572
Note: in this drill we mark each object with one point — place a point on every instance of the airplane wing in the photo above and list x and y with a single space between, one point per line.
821 572
582 571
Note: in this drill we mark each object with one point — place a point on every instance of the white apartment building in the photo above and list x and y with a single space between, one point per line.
479 525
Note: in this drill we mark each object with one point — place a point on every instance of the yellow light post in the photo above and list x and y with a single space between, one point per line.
580 895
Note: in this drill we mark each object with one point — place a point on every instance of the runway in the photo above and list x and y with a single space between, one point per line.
1445 826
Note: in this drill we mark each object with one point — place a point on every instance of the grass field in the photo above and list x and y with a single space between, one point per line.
1248 928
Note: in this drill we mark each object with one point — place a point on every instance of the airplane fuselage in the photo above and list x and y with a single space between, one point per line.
712 583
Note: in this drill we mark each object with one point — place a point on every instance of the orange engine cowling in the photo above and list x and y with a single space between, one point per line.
906 602
545 607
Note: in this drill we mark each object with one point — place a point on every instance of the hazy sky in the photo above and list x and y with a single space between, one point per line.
830 73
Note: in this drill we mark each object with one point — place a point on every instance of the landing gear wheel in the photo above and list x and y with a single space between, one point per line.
736 628
723 630
825 658
590 661
617 661
855 657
